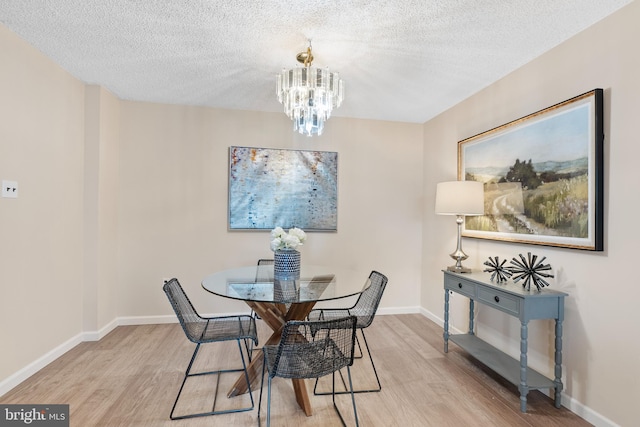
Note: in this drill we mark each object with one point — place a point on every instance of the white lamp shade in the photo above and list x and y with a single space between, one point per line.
460 198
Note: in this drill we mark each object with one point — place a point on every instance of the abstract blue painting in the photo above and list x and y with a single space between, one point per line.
287 188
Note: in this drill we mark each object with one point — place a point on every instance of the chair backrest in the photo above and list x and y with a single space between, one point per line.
312 349
367 304
264 273
191 322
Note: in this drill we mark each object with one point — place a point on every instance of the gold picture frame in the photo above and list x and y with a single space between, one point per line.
542 175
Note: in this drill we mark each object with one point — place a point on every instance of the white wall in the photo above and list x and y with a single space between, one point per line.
600 351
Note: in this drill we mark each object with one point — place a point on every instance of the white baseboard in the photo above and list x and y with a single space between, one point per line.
398 310
98 335
568 402
147 320
429 315
12 381
586 413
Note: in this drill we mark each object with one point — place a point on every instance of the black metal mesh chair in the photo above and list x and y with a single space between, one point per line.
364 310
310 350
202 330
261 261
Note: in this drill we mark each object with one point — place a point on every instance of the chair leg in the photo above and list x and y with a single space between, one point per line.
184 380
373 365
375 371
246 375
356 355
353 397
248 345
261 388
350 391
218 372
269 402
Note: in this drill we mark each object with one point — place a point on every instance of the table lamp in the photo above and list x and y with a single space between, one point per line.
460 198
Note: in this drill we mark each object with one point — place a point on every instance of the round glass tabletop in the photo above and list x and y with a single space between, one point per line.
256 283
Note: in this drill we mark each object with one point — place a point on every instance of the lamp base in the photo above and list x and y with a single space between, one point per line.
457 269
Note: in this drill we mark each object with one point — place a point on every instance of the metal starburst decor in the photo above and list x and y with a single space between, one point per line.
530 270
497 269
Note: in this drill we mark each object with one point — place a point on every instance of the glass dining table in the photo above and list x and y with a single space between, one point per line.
277 301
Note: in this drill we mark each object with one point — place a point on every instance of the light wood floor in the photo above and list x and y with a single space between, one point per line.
131 377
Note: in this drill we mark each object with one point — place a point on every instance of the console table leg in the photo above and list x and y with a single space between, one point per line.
471 313
558 361
524 389
446 321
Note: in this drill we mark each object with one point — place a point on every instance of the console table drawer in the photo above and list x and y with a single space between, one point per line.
500 300
460 286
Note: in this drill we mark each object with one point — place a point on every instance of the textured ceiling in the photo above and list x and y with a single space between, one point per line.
401 60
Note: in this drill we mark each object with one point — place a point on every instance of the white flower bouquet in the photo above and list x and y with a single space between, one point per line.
282 240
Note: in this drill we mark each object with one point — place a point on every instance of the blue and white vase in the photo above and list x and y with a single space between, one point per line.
286 264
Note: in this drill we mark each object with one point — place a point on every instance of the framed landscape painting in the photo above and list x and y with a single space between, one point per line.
542 175
271 188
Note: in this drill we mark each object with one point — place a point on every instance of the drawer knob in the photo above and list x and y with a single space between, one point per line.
497 298
460 285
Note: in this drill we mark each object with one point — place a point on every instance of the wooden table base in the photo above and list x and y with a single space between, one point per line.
275 316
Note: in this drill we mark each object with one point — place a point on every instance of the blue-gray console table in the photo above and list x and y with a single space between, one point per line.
512 299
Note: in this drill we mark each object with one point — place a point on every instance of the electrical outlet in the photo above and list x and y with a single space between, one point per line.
9 189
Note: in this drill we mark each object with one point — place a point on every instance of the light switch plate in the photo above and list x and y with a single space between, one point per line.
9 189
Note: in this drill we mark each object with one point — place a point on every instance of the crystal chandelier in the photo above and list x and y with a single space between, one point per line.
309 94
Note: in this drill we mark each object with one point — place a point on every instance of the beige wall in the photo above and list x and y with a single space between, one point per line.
600 349
41 232
115 196
173 201
101 159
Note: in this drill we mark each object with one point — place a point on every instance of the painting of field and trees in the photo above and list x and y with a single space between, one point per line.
542 176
